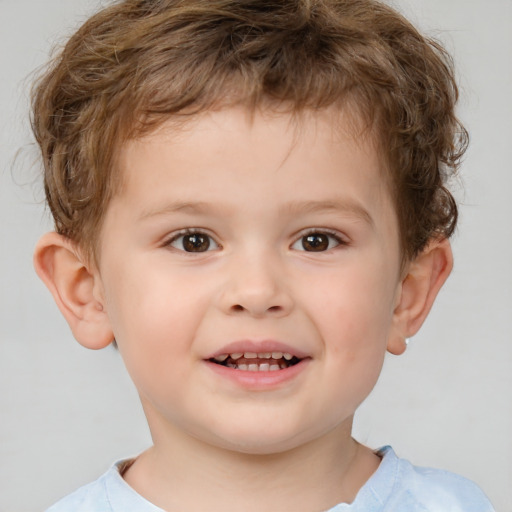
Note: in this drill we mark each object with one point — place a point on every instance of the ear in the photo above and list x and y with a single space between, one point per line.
76 288
424 277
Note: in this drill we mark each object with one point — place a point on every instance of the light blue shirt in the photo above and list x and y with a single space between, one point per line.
396 486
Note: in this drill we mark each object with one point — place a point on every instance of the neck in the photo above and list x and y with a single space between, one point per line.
326 471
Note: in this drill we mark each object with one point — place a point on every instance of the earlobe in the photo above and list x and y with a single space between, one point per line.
424 277
75 289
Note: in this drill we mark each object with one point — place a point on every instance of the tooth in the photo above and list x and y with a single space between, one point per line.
242 367
253 367
277 355
287 356
221 358
250 355
274 367
264 367
231 365
283 366
265 355
236 355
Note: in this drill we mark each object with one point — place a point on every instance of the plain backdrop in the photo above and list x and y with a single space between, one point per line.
67 413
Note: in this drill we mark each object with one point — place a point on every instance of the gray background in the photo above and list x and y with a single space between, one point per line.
68 413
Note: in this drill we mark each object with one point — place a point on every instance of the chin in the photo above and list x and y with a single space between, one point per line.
261 443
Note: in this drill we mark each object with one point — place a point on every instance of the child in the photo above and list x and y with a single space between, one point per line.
250 200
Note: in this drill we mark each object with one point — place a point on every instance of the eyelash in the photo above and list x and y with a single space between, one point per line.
330 236
191 232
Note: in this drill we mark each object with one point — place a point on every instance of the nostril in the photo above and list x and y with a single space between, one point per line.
240 308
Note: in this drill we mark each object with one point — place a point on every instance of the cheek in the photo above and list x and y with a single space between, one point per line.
354 317
153 331
356 306
153 315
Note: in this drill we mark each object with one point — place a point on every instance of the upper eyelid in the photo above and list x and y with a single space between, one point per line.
342 241
189 231
171 237
341 237
328 231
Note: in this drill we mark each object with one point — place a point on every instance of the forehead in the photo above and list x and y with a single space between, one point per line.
340 125
327 155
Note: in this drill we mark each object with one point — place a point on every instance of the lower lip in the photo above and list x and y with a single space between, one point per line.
259 380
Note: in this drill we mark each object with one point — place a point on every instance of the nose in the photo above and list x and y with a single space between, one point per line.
256 286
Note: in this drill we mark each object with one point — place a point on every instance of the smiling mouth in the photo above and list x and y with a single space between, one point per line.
257 362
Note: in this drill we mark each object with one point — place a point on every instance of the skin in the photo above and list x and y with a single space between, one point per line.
254 188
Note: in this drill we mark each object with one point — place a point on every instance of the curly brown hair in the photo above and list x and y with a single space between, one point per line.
138 63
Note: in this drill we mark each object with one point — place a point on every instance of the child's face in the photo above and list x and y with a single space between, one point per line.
232 237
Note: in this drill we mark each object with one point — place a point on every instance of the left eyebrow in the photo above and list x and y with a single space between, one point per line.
344 206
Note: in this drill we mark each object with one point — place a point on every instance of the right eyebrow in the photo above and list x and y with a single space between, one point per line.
192 207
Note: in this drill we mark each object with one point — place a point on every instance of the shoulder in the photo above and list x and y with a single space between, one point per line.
89 498
110 493
433 490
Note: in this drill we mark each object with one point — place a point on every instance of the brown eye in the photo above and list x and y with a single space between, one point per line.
193 242
315 242
196 243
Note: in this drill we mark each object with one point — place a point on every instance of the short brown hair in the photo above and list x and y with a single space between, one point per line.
137 63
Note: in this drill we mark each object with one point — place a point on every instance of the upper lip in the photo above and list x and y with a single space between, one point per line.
258 347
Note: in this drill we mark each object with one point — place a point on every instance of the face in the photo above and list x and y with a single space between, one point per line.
250 270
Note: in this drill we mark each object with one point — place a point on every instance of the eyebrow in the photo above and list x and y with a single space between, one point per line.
337 205
193 207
